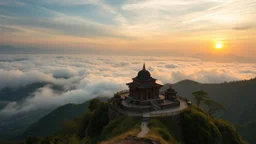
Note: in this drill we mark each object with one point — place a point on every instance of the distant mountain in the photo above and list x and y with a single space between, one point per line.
50 123
248 131
17 94
11 126
14 125
8 49
239 98
247 125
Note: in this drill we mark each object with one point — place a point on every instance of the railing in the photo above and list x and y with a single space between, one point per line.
123 91
127 113
140 114
154 104
165 114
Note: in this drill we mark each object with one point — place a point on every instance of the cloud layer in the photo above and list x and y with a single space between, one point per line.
83 77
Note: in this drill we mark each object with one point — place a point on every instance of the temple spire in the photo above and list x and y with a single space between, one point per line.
144 67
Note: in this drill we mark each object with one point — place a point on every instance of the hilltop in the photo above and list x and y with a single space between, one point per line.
237 97
193 126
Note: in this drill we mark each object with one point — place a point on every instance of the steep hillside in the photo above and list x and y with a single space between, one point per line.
93 127
13 125
53 121
239 99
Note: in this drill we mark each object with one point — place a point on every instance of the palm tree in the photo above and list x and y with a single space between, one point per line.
200 96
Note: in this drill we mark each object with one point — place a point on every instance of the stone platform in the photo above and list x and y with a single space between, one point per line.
124 108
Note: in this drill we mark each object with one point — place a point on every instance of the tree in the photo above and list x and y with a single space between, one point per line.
94 104
200 96
213 106
98 121
33 140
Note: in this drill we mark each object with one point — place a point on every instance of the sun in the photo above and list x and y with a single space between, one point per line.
218 46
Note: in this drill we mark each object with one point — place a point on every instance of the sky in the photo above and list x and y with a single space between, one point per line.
146 27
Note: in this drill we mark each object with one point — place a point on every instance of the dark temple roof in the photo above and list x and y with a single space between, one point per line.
144 75
144 85
171 90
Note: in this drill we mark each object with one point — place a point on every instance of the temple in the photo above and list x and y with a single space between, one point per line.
143 88
145 99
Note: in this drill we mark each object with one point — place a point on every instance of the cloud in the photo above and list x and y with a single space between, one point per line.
47 98
49 18
248 71
16 78
64 73
171 66
84 77
246 27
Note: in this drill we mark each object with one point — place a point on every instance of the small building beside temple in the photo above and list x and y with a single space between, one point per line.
144 99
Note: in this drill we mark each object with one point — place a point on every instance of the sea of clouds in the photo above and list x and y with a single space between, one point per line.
84 77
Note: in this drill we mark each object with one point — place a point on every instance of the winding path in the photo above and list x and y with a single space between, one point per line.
144 129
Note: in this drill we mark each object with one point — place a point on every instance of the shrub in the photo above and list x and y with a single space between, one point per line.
98 121
228 132
164 134
33 140
198 128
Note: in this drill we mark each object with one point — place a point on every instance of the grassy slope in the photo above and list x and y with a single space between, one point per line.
194 127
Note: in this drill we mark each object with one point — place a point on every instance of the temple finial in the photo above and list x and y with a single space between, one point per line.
144 67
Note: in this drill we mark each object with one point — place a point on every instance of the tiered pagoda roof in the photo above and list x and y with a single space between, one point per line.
144 80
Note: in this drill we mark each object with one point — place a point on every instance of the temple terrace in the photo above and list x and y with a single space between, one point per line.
144 99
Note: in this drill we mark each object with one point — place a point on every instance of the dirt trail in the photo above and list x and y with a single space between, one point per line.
144 129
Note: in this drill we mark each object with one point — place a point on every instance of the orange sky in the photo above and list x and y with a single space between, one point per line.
178 26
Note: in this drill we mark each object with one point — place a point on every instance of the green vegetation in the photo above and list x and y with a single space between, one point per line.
237 97
94 104
119 126
53 121
10 142
200 96
15 125
198 127
157 127
248 131
228 132
213 106
194 126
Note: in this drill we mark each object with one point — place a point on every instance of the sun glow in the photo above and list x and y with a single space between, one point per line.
218 46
